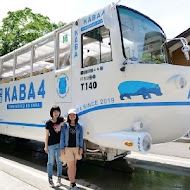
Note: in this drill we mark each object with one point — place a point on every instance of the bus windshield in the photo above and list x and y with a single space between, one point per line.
142 38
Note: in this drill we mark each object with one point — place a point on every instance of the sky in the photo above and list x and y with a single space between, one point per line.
171 15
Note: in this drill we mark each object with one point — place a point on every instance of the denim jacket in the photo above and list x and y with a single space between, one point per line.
64 140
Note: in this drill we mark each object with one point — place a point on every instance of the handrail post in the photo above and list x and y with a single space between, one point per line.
14 65
1 68
32 60
56 50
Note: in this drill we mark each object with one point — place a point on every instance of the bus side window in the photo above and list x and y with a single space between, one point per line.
6 74
64 49
90 60
64 60
96 47
43 57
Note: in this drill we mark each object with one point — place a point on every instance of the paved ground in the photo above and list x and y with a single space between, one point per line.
179 148
173 157
27 176
8 182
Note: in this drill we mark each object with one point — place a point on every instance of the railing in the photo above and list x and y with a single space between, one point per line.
40 56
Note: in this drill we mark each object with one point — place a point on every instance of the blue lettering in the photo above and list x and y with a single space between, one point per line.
93 17
76 46
14 96
76 54
31 92
7 95
76 39
41 91
78 109
22 92
139 147
89 19
85 21
98 15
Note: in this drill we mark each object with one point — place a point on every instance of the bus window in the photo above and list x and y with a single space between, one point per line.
64 49
7 70
22 69
142 38
43 56
96 47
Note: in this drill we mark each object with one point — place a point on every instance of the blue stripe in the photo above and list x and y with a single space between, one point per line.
23 124
91 25
30 105
145 104
109 106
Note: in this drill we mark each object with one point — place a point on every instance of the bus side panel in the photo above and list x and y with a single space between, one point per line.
25 105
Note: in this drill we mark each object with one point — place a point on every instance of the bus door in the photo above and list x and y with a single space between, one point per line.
63 67
96 58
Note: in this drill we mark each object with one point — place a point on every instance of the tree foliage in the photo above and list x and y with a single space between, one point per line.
21 27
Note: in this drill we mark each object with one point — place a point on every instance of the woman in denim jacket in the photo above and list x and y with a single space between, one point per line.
71 143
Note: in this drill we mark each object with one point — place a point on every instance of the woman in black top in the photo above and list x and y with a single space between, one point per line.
52 143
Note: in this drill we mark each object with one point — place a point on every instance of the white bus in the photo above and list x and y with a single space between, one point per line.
113 67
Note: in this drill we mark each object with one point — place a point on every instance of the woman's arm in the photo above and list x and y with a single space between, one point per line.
46 141
80 141
59 126
62 138
81 137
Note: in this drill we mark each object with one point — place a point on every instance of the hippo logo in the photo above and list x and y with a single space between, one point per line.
137 88
62 85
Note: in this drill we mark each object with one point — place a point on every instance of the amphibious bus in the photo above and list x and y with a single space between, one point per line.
113 67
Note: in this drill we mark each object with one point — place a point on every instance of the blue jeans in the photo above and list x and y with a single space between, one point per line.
54 152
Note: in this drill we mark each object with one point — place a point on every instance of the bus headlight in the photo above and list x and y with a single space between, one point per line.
146 144
124 140
180 82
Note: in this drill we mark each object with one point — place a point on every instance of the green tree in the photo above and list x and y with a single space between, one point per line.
21 27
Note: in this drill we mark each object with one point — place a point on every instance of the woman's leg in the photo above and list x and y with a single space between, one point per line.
71 170
51 158
75 167
59 164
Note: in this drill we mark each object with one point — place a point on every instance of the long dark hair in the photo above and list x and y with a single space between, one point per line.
53 109
76 120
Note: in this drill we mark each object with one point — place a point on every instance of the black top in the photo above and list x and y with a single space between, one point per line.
72 136
54 136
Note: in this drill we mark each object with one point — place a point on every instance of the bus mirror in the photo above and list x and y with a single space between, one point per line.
109 21
185 49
